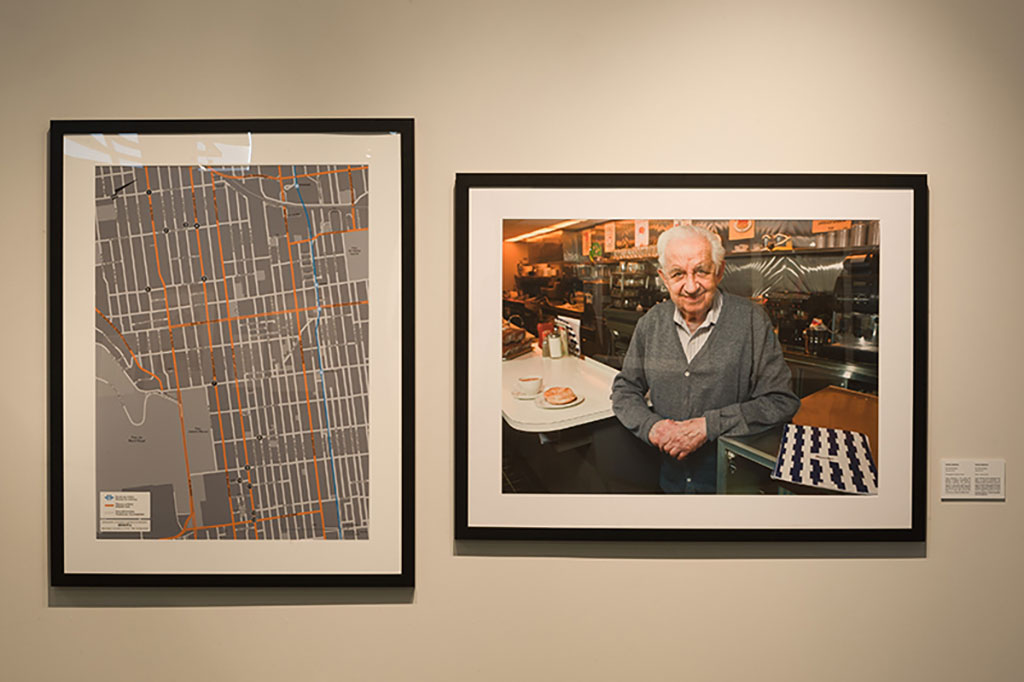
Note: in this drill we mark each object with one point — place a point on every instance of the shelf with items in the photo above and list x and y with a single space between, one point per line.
807 251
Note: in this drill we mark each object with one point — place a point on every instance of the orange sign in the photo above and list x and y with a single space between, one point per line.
830 225
741 229
587 235
609 237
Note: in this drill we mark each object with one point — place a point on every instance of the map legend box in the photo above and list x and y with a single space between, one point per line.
124 505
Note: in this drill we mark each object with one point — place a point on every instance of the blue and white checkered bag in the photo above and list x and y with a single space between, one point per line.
826 458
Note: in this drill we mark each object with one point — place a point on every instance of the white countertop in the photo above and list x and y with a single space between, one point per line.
587 378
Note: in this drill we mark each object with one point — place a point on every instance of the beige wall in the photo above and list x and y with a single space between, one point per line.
717 85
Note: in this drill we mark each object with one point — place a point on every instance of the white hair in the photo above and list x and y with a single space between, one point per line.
689 232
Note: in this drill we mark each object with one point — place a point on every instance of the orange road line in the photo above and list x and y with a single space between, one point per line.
272 312
213 364
137 364
302 357
284 516
244 317
184 529
174 359
234 365
217 525
242 523
284 177
322 234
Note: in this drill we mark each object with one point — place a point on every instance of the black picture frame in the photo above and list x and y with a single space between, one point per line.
485 202
381 551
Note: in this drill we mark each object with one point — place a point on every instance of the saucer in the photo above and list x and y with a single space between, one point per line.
519 395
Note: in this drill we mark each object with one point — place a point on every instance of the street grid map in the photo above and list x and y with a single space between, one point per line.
232 350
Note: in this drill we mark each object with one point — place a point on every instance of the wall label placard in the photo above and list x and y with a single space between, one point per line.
974 479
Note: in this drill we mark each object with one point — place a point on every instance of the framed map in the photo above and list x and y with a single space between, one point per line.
231 359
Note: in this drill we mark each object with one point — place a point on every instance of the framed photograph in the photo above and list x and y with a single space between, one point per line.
691 356
230 352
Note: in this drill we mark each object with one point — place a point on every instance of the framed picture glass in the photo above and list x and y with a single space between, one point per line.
707 357
231 358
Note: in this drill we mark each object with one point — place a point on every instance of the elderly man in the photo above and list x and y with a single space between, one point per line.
709 361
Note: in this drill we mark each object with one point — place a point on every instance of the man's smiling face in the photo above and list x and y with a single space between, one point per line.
691 277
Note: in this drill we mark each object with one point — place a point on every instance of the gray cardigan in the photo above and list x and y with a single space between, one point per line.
739 381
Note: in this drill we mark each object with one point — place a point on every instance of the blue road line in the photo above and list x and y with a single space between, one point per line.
319 358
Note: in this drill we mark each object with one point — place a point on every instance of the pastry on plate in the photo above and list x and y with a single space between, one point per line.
559 395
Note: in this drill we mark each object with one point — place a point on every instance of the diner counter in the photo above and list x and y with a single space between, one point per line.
848 370
570 309
589 379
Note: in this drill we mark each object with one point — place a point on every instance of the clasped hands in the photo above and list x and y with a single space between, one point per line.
679 438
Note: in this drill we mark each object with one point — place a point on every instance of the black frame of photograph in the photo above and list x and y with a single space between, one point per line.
320 141
478 238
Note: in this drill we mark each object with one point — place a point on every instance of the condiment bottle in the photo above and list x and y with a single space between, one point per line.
555 345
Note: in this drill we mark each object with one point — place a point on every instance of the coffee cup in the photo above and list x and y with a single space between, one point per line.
528 385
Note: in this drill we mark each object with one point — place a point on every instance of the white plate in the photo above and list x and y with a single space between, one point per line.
540 402
519 395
